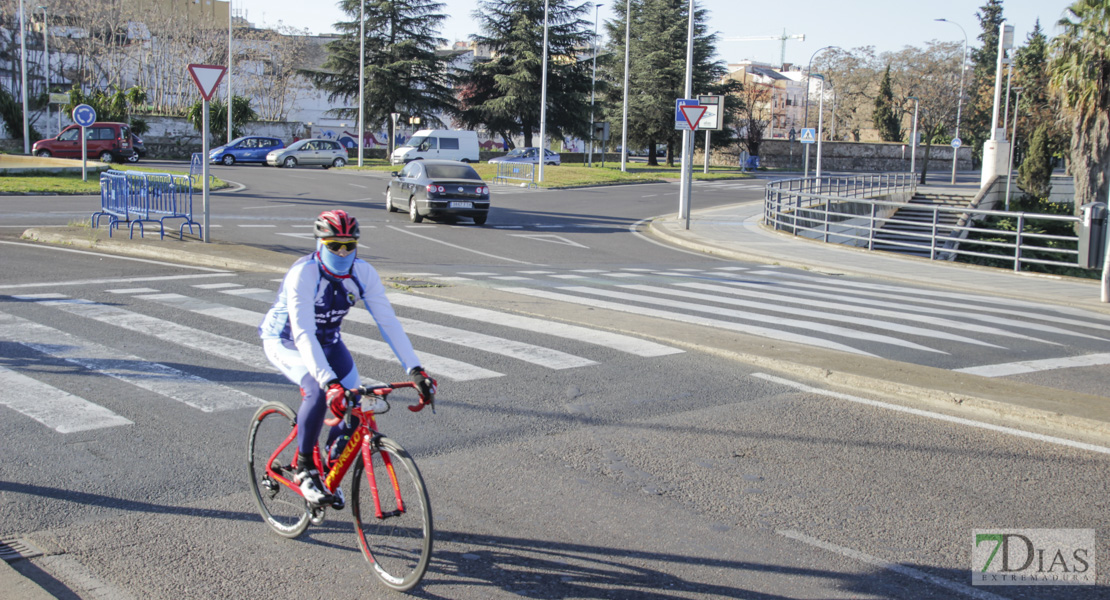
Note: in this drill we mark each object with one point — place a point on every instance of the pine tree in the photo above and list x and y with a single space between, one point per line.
886 116
504 93
1035 173
403 73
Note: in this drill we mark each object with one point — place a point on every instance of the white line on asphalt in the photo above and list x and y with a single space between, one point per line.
107 281
882 564
245 226
216 286
57 409
616 341
634 229
357 185
98 254
835 330
685 318
163 380
132 291
447 367
457 247
1033 366
932 415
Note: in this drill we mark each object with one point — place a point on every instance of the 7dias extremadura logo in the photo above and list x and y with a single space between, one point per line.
1033 557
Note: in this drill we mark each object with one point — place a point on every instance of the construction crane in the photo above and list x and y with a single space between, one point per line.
761 38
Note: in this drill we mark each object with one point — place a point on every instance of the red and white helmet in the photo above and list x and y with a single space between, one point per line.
336 223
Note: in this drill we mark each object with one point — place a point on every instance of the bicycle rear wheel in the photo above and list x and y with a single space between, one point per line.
399 545
283 509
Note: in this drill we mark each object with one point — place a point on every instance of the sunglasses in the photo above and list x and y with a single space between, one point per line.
337 246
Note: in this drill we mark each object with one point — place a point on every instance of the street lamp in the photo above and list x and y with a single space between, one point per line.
543 97
624 117
960 101
1013 146
46 58
593 84
805 125
361 77
23 64
820 129
913 137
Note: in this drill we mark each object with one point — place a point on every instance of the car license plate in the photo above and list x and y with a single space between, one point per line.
460 204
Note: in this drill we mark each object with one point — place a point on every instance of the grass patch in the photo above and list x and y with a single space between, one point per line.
70 183
565 176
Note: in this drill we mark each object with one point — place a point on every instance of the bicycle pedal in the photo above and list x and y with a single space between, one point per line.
317 517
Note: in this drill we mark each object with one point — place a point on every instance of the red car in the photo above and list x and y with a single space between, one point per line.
109 142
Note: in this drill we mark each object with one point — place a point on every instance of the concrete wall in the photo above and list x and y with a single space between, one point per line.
844 156
175 137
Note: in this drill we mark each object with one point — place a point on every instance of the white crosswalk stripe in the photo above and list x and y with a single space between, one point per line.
172 383
57 409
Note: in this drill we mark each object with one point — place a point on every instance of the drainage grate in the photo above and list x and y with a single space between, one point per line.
16 549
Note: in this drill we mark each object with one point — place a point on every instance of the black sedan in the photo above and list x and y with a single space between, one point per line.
438 188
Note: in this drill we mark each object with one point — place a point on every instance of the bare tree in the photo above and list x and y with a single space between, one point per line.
932 75
853 75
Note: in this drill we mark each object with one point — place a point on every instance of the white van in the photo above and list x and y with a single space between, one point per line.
445 144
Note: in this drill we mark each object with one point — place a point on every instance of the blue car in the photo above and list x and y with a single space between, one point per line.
251 148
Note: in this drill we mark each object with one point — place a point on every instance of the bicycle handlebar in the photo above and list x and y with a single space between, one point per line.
385 390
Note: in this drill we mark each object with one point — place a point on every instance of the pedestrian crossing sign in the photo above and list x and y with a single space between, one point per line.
809 135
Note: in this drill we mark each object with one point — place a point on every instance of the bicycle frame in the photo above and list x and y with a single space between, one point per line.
363 439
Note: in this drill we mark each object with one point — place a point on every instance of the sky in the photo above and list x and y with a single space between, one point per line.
888 25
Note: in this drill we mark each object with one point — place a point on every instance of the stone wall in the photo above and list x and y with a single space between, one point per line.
844 156
176 138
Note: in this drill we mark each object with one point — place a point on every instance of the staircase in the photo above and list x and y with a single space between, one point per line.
911 232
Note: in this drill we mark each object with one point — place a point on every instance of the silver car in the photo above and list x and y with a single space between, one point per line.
310 152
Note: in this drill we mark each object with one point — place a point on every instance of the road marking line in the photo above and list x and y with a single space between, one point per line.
109 281
130 258
447 367
835 330
57 409
616 341
132 291
257 226
1033 366
217 286
937 416
458 247
882 564
774 334
191 390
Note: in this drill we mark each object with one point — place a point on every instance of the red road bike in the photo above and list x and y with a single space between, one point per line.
389 506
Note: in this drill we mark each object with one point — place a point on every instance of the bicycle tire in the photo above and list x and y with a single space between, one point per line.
283 509
399 546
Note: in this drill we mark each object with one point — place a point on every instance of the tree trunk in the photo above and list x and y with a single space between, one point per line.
1090 154
527 137
652 161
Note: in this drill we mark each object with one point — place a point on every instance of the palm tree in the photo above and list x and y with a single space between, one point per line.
1080 77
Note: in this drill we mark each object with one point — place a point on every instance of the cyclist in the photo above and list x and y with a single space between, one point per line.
301 337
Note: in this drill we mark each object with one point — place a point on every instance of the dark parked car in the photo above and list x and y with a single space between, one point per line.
137 145
247 149
110 142
434 188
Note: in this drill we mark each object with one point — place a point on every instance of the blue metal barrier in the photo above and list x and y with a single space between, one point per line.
135 198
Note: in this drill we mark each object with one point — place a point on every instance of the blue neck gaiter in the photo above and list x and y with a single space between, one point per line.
337 265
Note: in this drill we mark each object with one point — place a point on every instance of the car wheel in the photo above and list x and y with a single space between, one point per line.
289 162
338 162
465 160
134 158
43 154
389 202
414 215
106 157
480 219
228 160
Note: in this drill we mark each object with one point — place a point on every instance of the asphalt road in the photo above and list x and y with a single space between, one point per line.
594 463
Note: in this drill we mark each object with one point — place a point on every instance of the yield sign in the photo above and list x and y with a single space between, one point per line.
207 78
693 114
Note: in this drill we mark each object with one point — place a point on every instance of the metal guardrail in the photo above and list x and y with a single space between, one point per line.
853 210
515 171
135 198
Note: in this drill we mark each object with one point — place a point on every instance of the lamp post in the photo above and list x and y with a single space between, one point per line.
1013 146
593 84
46 59
361 77
805 122
913 137
960 101
624 116
684 197
543 97
23 64
229 59
820 129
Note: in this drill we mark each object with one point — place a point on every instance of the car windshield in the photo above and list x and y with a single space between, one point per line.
515 152
452 172
415 141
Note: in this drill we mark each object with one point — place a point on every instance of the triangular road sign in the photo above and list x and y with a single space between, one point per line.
207 78
693 114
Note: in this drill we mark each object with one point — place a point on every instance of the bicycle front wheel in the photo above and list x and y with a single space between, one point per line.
398 545
283 509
